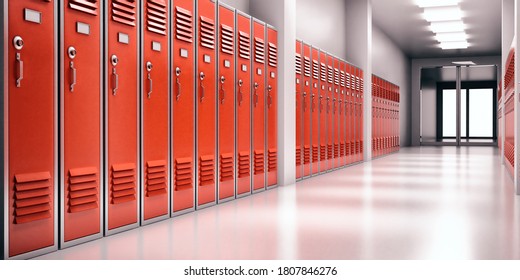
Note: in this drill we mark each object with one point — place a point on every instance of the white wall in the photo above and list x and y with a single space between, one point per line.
242 5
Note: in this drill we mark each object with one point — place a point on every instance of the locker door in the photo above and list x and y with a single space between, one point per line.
226 68
342 115
299 111
315 111
353 115
272 106
155 174
122 119
330 112
81 88
30 106
335 111
306 108
183 107
360 87
323 111
374 115
206 103
258 106
348 115
243 101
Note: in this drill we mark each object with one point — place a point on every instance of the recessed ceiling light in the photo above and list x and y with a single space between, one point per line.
451 36
447 26
436 3
464 63
442 13
454 45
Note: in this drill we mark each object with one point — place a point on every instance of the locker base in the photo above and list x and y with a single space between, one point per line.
33 254
203 206
272 187
220 201
259 190
78 241
238 196
182 212
120 229
154 220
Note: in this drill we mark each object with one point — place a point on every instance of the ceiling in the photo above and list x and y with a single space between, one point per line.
401 20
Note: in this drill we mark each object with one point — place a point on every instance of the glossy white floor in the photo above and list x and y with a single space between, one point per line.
428 203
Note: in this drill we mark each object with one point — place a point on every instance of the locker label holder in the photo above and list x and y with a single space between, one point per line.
83 28
32 16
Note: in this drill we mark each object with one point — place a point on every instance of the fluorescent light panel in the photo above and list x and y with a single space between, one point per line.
436 3
451 37
454 45
442 13
447 26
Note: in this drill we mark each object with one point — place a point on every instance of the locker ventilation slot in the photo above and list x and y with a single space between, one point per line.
32 197
298 156
272 160
323 72
315 70
323 152
347 80
206 170
342 79
329 151
330 75
273 55
183 25
227 39
183 174
298 64
226 167
243 164
336 76
156 180
86 6
307 67
123 183
156 16
358 82
343 149
259 50
259 162
315 153
336 150
123 11
207 33
83 189
245 45
306 155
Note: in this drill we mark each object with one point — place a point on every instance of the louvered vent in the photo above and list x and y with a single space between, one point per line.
358 83
306 154
183 25
123 183
206 170
336 150
123 11
353 148
86 6
207 32
156 178
330 75
315 70
83 189
183 174
336 76
227 39
259 162
273 55
315 153
343 151
347 149
298 64
323 152
243 165
298 156
330 151
342 79
32 197
245 45
307 67
347 80
272 160
323 72
226 167
156 16
259 50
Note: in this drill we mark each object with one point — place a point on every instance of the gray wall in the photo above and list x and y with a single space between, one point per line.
242 5
429 109
390 63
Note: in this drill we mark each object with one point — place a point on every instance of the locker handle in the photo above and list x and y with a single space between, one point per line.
256 94
202 76
269 96
19 70
334 105
321 103
328 104
115 81
304 104
222 81
312 102
178 83
340 107
149 67
240 94
72 76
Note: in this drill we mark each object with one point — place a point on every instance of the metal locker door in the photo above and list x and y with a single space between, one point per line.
272 107
348 115
330 112
306 108
315 111
355 108
299 111
226 101
360 87
206 104
258 100
243 101
353 115
335 112
29 105
323 111
81 169
122 120
374 116
342 114
183 107
155 105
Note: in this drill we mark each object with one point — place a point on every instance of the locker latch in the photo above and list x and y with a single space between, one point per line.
178 82
256 94
72 54
240 94
149 67
270 97
115 78
202 76
313 96
18 45
222 81
334 105
328 104
321 103
304 103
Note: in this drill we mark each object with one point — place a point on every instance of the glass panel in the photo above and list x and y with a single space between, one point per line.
481 113
449 113
463 113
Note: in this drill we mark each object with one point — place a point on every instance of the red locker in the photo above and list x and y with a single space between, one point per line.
306 110
206 103
315 111
30 104
272 106
354 116
357 112
81 123
342 114
299 110
330 112
258 106
348 112
323 111
360 88
122 121
375 123
335 112
183 107
155 175
226 101
243 101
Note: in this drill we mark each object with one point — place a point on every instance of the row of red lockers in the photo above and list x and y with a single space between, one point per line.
144 148
508 123
329 111
385 117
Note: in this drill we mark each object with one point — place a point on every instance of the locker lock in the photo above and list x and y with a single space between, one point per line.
240 83
256 85
18 42
149 66
114 60
72 52
222 79
202 76
177 71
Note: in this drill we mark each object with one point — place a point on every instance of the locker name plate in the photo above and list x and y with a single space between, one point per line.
123 38
156 46
207 58
273 75
83 28
32 16
259 71
227 63
244 68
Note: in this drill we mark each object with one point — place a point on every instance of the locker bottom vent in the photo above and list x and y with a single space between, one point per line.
330 151
323 152
244 166
32 197
156 180
123 183
83 189
206 170
259 162
298 156
183 172
306 155
315 153
226 167
272 160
